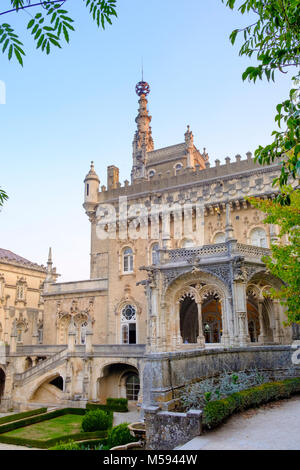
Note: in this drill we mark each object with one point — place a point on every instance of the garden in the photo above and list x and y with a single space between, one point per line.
68 428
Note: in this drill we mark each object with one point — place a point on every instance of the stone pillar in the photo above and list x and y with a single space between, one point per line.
229 228
89 339
72 336
278 336
178 337
240 304
13 339
262 335
201 337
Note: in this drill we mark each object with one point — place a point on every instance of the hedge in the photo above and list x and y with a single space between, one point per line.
112 404
82 437
215 412
25 414
37 419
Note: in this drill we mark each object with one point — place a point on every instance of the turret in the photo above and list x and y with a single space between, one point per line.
91 189
143 141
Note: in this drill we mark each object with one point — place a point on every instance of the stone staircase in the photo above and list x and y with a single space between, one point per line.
44 366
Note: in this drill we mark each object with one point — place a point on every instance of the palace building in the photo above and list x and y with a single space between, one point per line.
177 285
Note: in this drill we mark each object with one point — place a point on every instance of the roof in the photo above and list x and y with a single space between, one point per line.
10 257
166 153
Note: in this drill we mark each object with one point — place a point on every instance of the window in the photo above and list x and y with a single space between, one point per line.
87 189
219 237
128 320
20 292
19 335
132 387
155 254
151 173
258 237
128 260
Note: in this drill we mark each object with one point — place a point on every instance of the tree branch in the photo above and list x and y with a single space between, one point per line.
30 6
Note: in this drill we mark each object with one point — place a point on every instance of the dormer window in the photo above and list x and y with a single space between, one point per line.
178 167
151 173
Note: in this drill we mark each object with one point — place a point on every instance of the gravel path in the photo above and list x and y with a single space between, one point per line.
275 426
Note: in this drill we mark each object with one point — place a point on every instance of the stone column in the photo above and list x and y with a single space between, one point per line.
229 228
72 336
277 330
13 339
240 304
201 337
262 335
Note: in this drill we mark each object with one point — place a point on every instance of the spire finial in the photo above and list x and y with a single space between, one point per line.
142 69
50 256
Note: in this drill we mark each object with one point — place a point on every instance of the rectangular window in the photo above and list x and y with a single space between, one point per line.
125 336
87 189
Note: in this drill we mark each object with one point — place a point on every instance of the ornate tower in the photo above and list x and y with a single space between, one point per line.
143 141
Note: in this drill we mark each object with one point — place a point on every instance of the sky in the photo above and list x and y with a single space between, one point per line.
79 104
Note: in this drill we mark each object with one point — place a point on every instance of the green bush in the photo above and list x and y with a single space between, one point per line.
25 414
217 411
119 436
96 420
117 404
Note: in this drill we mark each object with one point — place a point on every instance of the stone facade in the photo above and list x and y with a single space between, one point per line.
176 278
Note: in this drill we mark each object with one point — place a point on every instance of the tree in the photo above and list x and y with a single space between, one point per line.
51 25
3 197
284 261
275 40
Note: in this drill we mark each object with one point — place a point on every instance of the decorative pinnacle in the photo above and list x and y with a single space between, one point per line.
142 88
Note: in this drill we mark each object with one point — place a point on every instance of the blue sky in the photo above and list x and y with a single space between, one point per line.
79 104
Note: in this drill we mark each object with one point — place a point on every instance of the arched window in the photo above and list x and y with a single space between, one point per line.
20 292
151 173
178 167
155 254
128 322
258 237
127 260
219 237
132 387
187 243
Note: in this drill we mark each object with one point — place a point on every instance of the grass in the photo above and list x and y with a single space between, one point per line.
56 427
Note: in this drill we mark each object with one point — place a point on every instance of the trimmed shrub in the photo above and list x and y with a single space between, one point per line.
119 436
117 404
25 414
217 411
96 420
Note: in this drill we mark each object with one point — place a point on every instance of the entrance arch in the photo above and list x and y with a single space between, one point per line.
212 320
113 382
2 383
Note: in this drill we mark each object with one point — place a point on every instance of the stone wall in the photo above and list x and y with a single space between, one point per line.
167 430
166 374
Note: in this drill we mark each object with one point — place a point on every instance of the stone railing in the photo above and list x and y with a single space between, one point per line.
227 249
75 287
183 254
128 350
41 366
251 250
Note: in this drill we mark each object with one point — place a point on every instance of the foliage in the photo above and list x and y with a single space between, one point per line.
71 445
3 197
96 420
119 436
275 40
51 25
215 412
117 404
19 416
284 261
112 404
197 395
